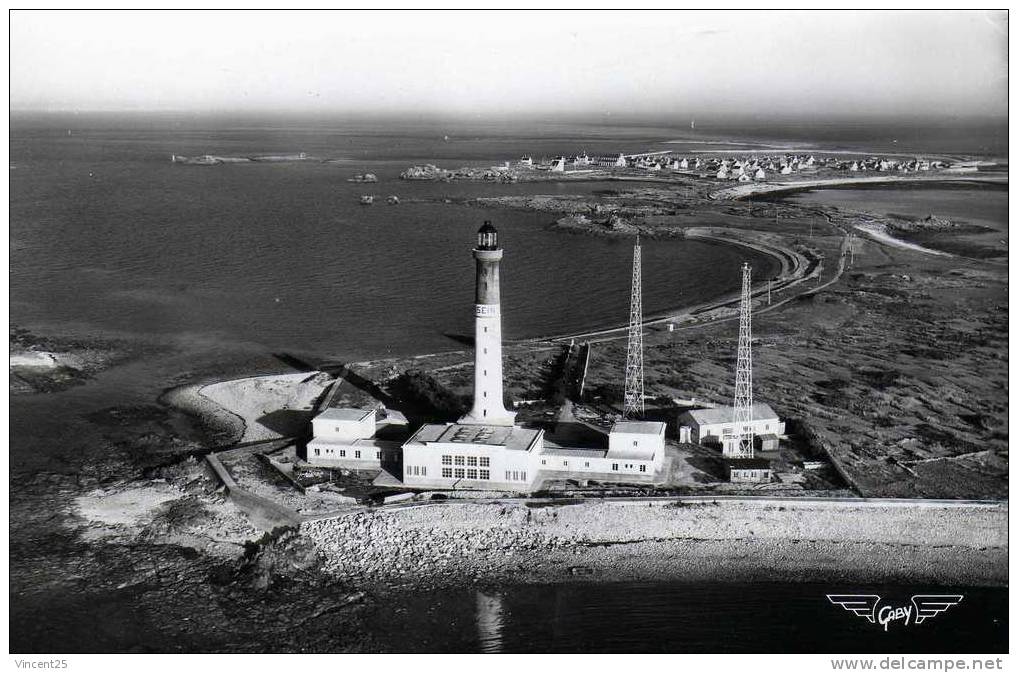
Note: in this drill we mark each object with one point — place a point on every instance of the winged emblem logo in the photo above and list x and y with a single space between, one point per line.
922 608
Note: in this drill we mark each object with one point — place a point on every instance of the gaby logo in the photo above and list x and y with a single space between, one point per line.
923 607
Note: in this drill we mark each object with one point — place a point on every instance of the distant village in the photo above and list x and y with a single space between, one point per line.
747 168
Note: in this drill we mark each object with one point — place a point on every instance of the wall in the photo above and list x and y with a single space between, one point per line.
428 460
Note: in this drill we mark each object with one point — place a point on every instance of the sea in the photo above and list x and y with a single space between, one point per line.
217 269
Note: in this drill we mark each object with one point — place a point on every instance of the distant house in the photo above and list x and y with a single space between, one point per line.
723 173
558 165
526 160
611 161
760 175
716 427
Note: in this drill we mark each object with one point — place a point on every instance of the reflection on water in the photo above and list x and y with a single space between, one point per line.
672 617
490 609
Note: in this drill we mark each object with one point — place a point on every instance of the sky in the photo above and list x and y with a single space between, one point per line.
837 64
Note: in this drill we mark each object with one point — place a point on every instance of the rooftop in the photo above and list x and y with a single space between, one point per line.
513 438
639 428
747 463
344 414
761 411
574 452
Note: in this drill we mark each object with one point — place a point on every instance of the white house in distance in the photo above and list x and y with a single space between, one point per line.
716 427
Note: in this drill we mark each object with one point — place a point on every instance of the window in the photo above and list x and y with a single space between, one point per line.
635 443
342 453
378 455
615 467
318 452
643 468
485 329
587 464
485 372
356 454
485 413
447 472
472 461
484 394
424 471
767 426
523 476
484 474
447 460
459 472
507 475
516 475
485 461
409 471
471 474
565 463
459 460
544 462
485 351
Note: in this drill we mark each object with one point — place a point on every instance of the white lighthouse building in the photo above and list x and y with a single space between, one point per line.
485 449
489 407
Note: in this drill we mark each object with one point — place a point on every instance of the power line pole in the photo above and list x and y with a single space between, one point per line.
742 419
633 403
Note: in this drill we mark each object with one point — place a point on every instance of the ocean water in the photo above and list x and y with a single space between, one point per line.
982 206
109 237
685 618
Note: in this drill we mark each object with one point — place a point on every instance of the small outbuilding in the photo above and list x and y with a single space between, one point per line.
748 470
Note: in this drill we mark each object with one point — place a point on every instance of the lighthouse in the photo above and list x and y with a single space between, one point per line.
488 408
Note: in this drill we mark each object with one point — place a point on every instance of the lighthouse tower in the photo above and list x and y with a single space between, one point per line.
488 408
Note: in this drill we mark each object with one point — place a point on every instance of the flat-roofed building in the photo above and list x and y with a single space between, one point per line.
454 456
748 470
345 438
716 427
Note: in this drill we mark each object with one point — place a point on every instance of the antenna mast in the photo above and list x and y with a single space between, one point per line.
633 406
743 408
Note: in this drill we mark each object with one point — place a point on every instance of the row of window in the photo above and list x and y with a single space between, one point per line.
469 461
342 453
615 466
515 475
628 466
461 473
416 471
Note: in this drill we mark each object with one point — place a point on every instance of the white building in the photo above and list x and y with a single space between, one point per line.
346 438
748 470
716 427
558 165
485 449
455 456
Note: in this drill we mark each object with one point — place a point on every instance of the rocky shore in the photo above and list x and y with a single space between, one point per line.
502 543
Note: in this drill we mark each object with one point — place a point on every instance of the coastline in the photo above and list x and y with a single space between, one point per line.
793 270
444 545
748 191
